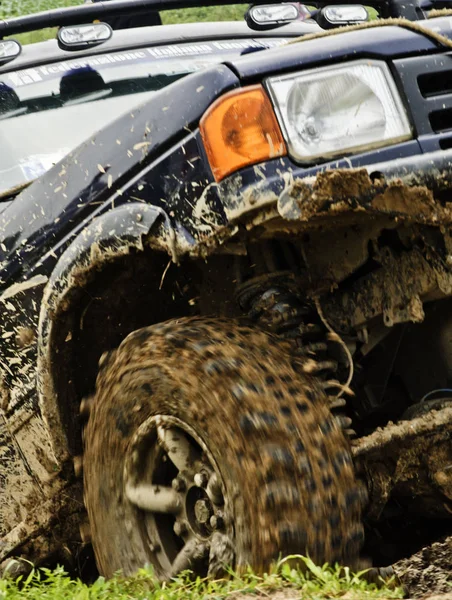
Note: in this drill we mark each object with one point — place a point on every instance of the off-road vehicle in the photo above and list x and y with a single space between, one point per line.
226 330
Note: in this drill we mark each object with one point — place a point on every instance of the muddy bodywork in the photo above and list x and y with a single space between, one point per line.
48 440
119 236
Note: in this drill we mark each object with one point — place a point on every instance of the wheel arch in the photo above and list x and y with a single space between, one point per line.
124 254
103 248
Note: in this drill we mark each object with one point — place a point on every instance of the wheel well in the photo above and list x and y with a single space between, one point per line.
144 287
134 291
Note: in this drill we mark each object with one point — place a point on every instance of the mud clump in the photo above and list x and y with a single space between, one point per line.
354 190
400 198
342 184
330 188
25 336
428 572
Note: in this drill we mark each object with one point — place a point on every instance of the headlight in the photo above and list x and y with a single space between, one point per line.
342 109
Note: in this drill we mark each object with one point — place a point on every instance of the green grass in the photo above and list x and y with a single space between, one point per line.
311 583
15 8
234 12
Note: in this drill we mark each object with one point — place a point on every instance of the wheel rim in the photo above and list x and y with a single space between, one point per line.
178 498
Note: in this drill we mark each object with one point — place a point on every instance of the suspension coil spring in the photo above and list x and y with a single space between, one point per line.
272 301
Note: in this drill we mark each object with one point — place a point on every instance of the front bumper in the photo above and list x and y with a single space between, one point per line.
417 188
414 187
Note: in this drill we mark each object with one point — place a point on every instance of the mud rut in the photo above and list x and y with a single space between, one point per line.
429 571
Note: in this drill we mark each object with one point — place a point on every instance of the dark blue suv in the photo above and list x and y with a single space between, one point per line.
226 277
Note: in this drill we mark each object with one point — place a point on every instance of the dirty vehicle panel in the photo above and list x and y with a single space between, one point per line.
347 253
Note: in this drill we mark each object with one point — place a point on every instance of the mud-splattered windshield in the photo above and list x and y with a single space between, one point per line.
48 110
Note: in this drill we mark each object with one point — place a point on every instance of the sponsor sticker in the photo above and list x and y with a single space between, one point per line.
159 53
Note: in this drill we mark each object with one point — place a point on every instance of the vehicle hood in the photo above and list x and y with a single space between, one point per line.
384 42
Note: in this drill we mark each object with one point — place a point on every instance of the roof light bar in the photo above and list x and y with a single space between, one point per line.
87 13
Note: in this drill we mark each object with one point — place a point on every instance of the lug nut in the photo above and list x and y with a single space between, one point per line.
216 521
178 484
180 528
214 490
201 479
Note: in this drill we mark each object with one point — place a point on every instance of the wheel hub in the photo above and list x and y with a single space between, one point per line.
173 482
198 510
203 511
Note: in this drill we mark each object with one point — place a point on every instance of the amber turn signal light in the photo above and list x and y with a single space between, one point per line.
241 129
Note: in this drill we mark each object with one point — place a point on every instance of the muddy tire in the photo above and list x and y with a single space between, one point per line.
205 446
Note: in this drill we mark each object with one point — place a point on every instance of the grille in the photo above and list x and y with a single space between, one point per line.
427 84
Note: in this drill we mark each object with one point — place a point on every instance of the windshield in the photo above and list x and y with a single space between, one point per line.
48 110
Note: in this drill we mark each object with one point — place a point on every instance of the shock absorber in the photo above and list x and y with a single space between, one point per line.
274 303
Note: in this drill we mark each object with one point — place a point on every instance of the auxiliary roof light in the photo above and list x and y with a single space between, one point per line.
79 37
9 50
272 15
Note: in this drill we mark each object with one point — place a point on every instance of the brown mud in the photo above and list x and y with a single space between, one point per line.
428 573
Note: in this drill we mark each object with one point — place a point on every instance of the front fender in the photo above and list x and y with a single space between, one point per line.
106 239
